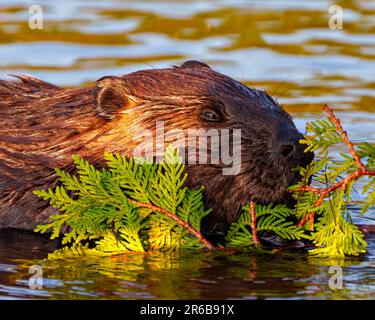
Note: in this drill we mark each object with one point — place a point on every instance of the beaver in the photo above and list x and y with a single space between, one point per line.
42 125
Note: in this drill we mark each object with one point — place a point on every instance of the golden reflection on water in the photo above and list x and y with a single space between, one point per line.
191 276
282 46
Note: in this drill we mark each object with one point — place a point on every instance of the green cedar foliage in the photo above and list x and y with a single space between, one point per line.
268 218
334 234
99 216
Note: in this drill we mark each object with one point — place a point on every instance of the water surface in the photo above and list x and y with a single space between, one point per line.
282 46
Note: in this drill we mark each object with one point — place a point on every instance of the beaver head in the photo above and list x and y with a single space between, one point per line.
58 122
194 96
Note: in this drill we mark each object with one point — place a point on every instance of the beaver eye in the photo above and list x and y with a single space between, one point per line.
210 115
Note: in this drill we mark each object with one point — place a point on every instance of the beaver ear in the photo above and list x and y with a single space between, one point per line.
195 64
110 97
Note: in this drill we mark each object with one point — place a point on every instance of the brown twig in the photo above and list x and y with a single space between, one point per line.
344 135
325 192
254 224
183 224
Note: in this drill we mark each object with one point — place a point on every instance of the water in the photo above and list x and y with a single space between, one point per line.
198 275
284 47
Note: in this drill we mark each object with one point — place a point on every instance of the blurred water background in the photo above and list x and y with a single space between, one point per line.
282 46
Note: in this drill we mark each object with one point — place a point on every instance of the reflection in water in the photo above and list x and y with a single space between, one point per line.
199 275
282 46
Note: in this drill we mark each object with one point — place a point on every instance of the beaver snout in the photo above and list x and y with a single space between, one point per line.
291 149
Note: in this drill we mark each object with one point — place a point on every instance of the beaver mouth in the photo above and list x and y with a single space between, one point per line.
272 184
278 192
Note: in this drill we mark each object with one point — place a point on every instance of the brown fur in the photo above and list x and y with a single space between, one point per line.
42 125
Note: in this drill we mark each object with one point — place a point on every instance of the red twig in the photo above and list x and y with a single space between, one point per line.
325 192
183 224
308 217
344 135
254 224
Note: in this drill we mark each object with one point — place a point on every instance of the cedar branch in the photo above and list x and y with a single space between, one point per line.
254 224
325 192
180 222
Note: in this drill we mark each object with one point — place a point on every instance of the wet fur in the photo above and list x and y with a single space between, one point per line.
42 125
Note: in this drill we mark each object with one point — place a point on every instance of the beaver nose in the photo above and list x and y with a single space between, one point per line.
292 150
290 147
287 149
